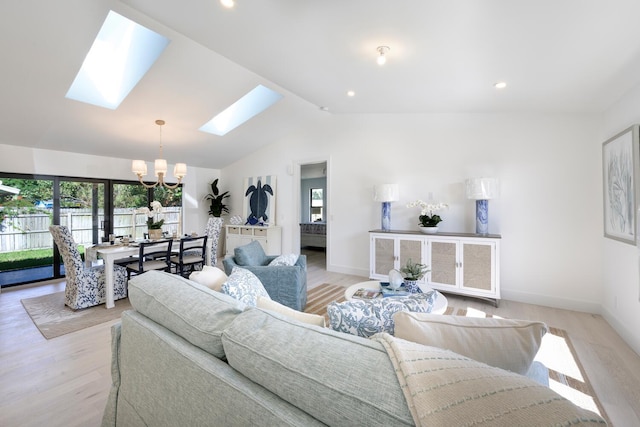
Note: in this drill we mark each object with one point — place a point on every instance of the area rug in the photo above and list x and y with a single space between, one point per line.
53 318
319 297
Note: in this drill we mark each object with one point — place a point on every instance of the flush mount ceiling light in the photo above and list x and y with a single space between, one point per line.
139 167
351 93
228 3
382 51
500 85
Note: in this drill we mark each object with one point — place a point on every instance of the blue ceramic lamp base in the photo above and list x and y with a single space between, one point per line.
386 216
482 216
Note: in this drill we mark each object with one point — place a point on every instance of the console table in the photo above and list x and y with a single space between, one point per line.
269 237
460 263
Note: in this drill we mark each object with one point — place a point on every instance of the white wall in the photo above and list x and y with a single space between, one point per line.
16 159
621 302
549 211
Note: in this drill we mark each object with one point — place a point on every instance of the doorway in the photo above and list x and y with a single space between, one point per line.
314 210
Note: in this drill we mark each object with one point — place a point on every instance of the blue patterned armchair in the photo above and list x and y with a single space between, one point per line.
85 285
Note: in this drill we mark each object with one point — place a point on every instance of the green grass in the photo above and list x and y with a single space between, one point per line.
29 258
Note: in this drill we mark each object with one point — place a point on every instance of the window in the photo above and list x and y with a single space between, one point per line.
316 205
120 55
91 208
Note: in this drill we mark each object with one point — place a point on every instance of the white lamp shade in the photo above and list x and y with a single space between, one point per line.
180 170
139 167
160 166
386 193
482 188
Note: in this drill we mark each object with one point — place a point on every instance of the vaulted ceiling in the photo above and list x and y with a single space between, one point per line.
556 57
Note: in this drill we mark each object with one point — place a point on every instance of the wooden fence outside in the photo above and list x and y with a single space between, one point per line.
31 231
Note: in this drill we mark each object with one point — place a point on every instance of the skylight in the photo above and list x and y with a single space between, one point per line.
250 105
120 55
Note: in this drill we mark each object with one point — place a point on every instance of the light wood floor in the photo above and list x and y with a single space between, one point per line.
65 381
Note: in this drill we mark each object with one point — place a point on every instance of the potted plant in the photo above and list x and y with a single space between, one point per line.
154 222
412 273
214 225
217 206
428 220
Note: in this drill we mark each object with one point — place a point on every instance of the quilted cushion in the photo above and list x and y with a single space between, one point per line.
367 317
244 286
504 343
250 254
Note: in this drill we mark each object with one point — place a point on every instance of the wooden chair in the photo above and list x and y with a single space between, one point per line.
153 255
193 252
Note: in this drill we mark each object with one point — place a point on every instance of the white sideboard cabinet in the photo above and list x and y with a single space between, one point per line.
269 237
460 263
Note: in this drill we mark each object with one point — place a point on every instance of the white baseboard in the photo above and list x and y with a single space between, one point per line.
622 329
551 301
342 269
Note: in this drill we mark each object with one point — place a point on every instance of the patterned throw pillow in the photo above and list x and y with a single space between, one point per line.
244 286
288 259
366 318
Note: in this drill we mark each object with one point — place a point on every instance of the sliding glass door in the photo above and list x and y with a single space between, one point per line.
91 208
26 211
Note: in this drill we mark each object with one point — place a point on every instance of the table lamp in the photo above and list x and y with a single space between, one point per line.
386 193
482 189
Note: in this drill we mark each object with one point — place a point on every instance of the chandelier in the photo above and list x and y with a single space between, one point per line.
139 167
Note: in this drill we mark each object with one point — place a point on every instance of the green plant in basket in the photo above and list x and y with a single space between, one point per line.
414 271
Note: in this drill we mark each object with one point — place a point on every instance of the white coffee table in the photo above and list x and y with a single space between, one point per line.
440 303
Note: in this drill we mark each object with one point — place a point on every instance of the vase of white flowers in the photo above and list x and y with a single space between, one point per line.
428 220
154 222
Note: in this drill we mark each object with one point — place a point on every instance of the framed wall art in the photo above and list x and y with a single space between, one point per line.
620 173
259 205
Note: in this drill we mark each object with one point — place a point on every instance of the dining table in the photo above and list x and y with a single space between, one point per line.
109 253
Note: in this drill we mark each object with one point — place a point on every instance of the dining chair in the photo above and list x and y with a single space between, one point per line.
152 255
213 230
84 286
192 253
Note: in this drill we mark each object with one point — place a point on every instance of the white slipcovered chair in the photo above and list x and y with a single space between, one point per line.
84 285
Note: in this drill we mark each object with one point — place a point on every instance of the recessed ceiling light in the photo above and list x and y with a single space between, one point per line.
228 3
382 51
351 93
500 85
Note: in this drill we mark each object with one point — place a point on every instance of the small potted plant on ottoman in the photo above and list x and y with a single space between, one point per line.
413 272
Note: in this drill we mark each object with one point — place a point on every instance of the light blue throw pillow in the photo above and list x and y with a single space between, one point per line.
366 318
244 286
250 254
